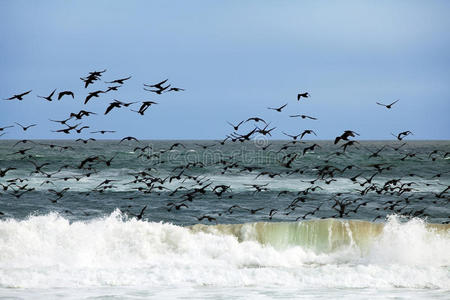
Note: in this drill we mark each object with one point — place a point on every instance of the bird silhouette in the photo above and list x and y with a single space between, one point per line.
18 96
278 109
302 95
49 97
388 106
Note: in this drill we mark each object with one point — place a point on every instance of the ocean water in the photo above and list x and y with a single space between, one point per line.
310 231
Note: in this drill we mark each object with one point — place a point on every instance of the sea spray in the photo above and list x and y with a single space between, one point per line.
50 251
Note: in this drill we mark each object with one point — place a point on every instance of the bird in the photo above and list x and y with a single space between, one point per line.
307 131
85 141
117 104
141 214
6 127
256 119
4 171
388 106
402 135
129 138
175 89
294 137
65 93
158 91
303 117
119 81
236 127
81 114
345 136
93 94
157 85
49 97
25 128
145 105
279 108
18 96
103 131
304 95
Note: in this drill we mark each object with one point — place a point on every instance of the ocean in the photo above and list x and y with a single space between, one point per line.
204 219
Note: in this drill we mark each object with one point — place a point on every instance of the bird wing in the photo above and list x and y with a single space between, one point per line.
394 102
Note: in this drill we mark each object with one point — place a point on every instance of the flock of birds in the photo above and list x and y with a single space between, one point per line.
193 184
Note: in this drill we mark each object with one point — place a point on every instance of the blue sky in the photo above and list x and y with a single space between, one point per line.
235 59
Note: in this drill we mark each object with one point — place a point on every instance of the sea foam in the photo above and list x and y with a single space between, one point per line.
49 251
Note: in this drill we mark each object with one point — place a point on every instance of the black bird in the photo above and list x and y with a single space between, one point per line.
49 97
63 122
294 137
279 108
23 142
3 128
117 104
307 131
129 138
66 93
175 89
304 95
103 131
345 136
93 76
159 91
18 96
4 171
303 117
81 114
157 85
85 141
144 106
25 128
388 106
93 94
402 135
236 127
310 148
209 218
113 88
141 214
81 128
68 129
256 119
119 81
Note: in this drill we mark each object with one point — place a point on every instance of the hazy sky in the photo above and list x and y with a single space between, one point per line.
234 58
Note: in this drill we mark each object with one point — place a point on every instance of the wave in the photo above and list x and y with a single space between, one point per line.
50 251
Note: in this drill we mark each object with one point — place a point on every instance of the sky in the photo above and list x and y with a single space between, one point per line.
234 59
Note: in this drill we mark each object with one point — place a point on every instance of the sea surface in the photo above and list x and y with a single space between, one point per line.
254 220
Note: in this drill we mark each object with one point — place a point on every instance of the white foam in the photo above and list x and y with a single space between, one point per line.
50 252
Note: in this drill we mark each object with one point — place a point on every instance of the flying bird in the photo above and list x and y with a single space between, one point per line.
144 106
25 128
3 128
49 97
279 108
66 93
388 106
304 95
119 81
236 127
18 96
402 135
93 94
303 117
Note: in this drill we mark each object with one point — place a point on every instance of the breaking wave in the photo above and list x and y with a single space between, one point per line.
50 251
